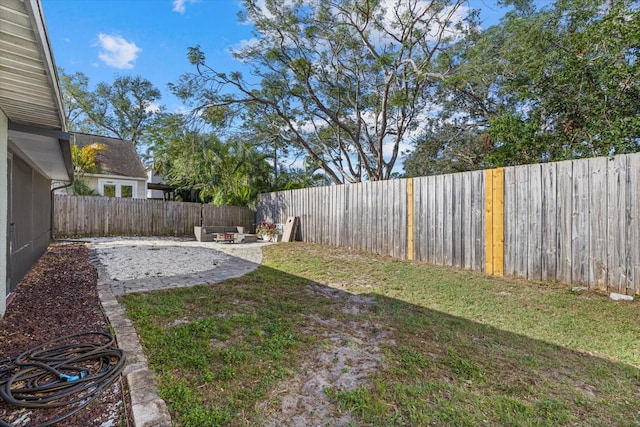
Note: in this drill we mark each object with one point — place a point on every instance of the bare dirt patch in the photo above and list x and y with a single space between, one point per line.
347 353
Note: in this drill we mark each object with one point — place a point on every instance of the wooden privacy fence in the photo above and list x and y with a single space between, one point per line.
78 216
574 221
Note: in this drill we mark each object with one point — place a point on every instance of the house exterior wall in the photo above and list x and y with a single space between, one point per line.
30 216
4 143
154 179
93 182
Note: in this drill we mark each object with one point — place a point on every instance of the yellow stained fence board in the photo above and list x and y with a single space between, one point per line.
498 221
488 221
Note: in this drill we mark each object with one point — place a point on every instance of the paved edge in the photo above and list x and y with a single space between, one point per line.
147 408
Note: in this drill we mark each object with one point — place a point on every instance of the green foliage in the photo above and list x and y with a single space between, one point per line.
228 172
74 87
447 148
265 228
464 368
80 188
84 159
452 348
556 83
123 109
344 83
574 82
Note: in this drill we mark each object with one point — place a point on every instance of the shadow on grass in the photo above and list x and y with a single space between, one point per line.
274 348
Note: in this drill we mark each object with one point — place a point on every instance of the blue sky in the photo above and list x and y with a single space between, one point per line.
106 38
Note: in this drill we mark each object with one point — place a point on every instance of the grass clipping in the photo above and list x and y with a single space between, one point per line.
325 336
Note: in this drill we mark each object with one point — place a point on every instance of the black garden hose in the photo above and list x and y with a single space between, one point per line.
68 371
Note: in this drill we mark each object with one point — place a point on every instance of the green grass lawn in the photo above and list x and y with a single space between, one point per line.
424 345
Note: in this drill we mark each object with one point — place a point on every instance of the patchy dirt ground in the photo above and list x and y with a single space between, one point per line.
349 351
58 297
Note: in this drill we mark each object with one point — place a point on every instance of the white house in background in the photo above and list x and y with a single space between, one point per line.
121 171
156 188
34 147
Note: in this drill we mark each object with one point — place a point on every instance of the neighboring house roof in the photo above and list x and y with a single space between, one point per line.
119 158
30 93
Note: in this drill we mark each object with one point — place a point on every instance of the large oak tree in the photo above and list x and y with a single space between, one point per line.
346 81
123 109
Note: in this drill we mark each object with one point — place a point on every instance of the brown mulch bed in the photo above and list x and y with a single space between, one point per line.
58 297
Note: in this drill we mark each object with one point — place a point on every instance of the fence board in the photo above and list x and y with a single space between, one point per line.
534 242
598 222
580 223
77 216
564 226
510 222
456 214
569 221
617 223
633 237
477 221
440 221
522 221
374 221
447 216
467 222
549 250
419 222
432 242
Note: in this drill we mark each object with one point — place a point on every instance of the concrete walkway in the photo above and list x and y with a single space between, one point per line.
148 408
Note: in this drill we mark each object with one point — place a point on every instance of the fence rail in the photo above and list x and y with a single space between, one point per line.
78 216
574 221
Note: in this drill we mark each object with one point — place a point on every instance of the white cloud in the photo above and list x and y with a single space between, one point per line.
180 5
262 5
387 149
432 25
117 52
152 107
242 45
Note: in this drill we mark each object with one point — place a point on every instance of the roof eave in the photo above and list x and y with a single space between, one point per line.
36 15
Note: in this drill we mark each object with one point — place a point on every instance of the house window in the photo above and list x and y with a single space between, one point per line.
126 191
111 188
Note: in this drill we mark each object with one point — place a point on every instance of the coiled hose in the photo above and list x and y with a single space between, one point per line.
68 371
